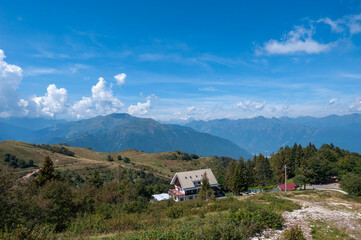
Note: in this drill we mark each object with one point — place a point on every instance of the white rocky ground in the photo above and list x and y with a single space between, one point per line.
342 215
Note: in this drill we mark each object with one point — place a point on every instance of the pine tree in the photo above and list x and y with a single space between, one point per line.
278 162
263 170
206 191
46 173
250 169
227 182
239 179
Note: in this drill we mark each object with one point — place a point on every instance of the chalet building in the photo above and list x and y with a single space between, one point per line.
187 184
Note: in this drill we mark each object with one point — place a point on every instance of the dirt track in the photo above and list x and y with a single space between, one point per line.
339 215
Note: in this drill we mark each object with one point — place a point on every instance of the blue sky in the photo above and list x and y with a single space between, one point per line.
180 59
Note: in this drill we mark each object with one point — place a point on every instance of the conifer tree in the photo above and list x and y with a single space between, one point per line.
250 169
263 170
227 183
206 191
239 179
46 173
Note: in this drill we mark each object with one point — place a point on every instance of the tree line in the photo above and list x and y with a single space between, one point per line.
304 165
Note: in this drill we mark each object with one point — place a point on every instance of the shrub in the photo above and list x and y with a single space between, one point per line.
174 212
294 233
351 183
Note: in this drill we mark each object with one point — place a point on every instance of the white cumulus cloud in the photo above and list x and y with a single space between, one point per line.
335 25
296 41
352 23
54 102
120 78
10 79
251 106
356 105
140 108
188 113
101 102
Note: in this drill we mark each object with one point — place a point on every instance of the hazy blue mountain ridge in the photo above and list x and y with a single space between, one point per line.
116 132
267 135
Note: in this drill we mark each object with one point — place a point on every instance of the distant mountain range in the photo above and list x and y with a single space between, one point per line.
117 132
267 135
222 137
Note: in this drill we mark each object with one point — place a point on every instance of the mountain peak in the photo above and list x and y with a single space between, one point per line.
119 115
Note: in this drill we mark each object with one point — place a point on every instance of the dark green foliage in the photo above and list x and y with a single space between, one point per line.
206 191
231 219
7 157
126 160
55 149
227 186
119 158
96 180
238 179
14 162
31 162
64 144
46 172
322 165
110 158
262 170
56 203
174 212
178 155
351 183
301 180
258 219
72 177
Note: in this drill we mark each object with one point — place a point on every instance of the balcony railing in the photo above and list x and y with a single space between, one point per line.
175 192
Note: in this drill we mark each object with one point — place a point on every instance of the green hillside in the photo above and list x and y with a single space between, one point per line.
85 160
118 132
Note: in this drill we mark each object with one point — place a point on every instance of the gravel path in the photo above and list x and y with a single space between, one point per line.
346 220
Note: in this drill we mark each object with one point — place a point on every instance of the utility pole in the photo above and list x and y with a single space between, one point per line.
285 178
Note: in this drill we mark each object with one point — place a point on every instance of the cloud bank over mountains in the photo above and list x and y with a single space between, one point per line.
54 103
216 95
10 79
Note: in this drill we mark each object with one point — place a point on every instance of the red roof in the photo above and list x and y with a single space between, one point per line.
175 192
290 186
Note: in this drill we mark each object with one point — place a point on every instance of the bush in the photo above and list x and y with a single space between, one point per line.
256 220
294 233
351 183
55 149
174 212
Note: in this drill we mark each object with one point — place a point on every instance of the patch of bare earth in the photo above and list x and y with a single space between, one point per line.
339 215
27 176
